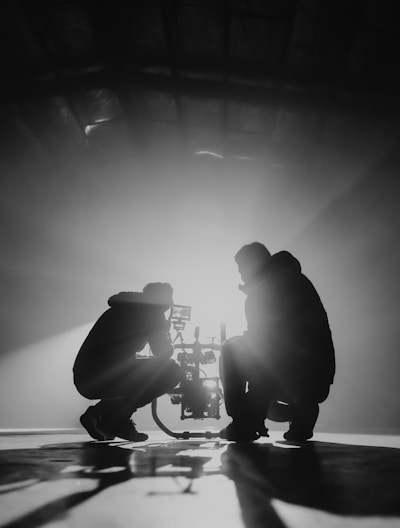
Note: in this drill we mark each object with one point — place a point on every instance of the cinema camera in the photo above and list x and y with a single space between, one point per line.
198 395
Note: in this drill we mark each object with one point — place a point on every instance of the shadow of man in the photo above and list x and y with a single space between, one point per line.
340 479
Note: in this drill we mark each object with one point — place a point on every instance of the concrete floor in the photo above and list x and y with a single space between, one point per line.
63 479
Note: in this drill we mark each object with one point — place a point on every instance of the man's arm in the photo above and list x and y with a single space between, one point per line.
160 344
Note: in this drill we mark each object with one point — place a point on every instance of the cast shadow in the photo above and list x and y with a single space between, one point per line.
108 463
346 480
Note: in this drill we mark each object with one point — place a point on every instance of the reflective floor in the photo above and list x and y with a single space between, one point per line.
64 479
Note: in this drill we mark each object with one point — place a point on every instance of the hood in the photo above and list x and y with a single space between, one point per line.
283 262
124 298
279 263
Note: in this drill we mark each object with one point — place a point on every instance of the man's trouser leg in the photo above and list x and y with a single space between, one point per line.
146 380
305 413
262 389
305 408
233 378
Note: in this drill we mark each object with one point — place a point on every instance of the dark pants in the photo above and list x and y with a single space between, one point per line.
251 385
248 388
121 392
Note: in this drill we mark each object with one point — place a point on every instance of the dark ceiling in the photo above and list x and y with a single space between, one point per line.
240 78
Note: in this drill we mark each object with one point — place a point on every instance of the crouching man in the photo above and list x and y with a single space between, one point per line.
108 369
286 349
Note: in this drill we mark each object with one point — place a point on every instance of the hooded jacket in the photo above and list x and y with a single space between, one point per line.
125 328
288 325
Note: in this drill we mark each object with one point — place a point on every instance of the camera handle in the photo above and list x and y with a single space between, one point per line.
182 434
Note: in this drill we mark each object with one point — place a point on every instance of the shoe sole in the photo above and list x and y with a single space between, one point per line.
93 431
234 438
142 437
299 438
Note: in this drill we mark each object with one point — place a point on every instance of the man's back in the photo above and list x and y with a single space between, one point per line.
122 330
287 318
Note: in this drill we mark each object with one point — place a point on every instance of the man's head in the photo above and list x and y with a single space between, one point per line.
159 293
251 259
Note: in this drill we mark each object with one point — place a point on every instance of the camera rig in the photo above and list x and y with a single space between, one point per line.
199 396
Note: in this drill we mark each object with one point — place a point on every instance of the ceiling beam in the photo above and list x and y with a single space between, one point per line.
297 96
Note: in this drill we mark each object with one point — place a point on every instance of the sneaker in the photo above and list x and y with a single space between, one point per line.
128 431
91 421
297 435
238 433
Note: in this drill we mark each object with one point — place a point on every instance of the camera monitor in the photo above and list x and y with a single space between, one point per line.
180 312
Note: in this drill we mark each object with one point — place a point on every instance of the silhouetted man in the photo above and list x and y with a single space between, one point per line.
287 348
107 368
